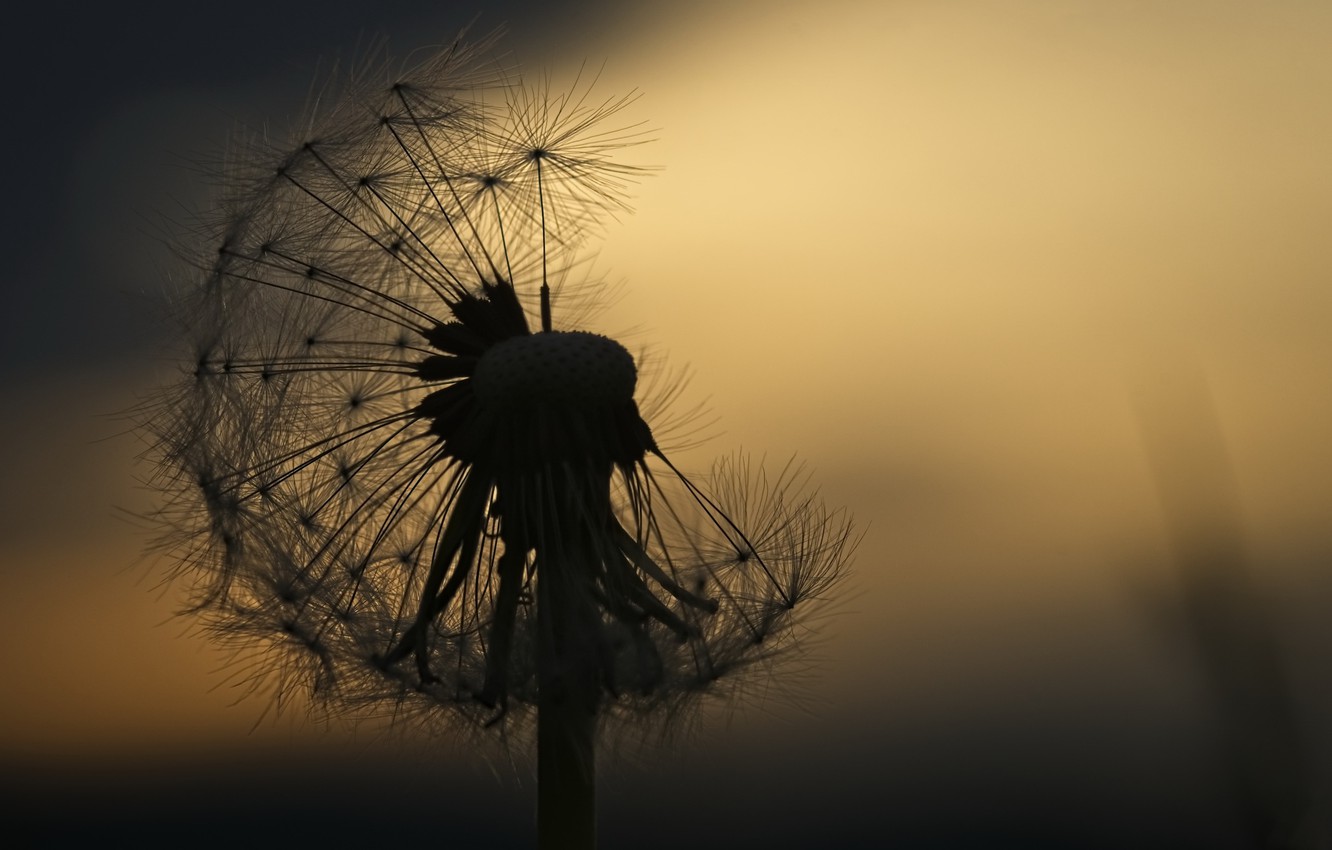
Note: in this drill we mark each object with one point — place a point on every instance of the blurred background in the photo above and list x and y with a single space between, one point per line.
1039 290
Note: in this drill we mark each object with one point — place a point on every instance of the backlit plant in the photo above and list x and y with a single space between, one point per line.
390 465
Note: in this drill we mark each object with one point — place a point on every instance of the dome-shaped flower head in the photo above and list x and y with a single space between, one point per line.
390 463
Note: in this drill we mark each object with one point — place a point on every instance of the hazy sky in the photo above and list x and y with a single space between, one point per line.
952 254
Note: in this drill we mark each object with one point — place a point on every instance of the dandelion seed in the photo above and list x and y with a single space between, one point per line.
392 464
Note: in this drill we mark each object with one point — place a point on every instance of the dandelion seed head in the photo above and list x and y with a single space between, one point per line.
375 470
571 368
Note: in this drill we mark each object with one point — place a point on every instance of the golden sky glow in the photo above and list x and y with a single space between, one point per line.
936 249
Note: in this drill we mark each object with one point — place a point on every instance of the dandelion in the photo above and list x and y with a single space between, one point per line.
392 466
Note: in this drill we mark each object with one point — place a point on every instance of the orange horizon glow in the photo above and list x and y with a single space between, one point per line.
933 251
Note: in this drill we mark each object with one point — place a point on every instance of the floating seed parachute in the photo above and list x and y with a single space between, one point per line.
391 465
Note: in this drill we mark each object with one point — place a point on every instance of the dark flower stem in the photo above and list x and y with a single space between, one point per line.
566 728
566 775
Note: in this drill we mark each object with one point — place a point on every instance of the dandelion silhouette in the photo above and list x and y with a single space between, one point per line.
391 467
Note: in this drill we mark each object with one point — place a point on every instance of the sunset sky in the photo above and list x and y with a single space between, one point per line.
1041 291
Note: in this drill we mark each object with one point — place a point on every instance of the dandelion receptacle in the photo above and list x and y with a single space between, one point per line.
393 467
